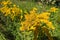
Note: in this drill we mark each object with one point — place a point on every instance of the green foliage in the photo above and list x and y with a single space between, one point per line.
2 36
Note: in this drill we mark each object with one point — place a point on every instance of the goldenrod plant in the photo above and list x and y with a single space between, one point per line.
26 21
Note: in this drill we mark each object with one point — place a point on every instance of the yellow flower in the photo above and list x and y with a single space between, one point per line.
21 17
12 17
27 17
53 9
44 20
22 29
50 25
5 10
44 15
32 28
6 2
8 12
32 11
21 10
34 8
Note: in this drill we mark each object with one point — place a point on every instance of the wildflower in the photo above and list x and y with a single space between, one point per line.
21 17
22 29
27 17
6 2
34 8
32 28
44 15
10 10
21 10
50 25
53 9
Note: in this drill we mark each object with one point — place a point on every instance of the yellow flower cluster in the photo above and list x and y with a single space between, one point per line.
34 19
6 2
10 10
